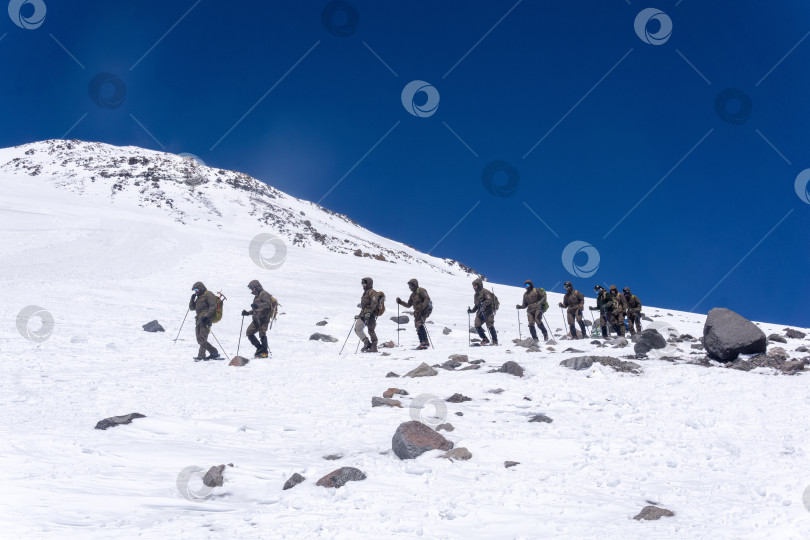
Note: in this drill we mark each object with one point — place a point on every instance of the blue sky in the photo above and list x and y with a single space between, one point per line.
673 154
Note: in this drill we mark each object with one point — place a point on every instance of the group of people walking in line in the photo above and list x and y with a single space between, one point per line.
617 313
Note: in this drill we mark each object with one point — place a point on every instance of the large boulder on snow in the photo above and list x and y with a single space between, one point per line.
338 478
412 439
647 340
153 326
727 335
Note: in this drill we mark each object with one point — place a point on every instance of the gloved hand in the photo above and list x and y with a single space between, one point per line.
193 297
561 304
356 317
254 305
593 308
399 300
206 321
469 310
366 317
518 306
245 313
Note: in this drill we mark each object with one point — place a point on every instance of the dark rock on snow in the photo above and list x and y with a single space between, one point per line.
338 478
541 418
445 427
458 398
726 335
508 464
412 439
459 454
293 481
402 319
118 420
380 402
512 368
238 361
777 338
213 478
391 375
652 513
321 323
647 340
392 391
794 334
323 337
423 370
153 326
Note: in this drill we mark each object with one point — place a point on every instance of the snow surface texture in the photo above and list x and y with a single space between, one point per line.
725 450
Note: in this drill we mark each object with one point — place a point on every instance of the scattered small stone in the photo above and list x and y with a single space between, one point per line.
386 345
476 362
385 354
393 391
458 398
238 361
577 363
619 342
496 391
526 398
794 334
551 342
777 338
541 418
293 481
572 350
697 346
380 402
508 464
445 427
338 478
512 368
320 323
391 375
802 349
470 367
449 365
460 454
323 337
213 478
423 370
153 326
652 513
412 439
446 331
458 357
118 420
778 352
459 413
402 319
333 457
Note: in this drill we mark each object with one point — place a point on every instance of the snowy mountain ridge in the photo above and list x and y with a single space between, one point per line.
188 191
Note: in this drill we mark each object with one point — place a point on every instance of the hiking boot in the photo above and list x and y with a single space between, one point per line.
484 341
545 337
262 354
366 345
422 347
213 356
264 350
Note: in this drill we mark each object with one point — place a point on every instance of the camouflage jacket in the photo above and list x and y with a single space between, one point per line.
533 300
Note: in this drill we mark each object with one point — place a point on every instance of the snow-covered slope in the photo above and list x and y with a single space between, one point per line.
89 238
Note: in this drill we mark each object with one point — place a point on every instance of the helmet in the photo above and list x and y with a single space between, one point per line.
626 290
568 285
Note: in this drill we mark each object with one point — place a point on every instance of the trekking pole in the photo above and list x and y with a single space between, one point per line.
428 335
565 321
549 326
238 343
520 336
397 325
347 339
181 326
469 342
220 344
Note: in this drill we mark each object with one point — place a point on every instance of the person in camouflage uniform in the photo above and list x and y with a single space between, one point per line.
422 308
602 302
621 309
533 301
369 304
574 302
263 310
484 302
204 304
633 310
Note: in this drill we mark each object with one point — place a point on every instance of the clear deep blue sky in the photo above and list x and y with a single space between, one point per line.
617 116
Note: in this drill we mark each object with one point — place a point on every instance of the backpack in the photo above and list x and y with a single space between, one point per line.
496 304
544 307
218 313
381 304
274 309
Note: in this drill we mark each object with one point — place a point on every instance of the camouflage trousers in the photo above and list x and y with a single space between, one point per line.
574 314
615 320
202 331
489 318
359 325
257 326
634 321
419 319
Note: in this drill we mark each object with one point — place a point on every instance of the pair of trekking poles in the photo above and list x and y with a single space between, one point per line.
241 327
520 335
430 340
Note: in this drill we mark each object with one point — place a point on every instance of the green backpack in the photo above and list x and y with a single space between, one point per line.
218 313
496 304
544 307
